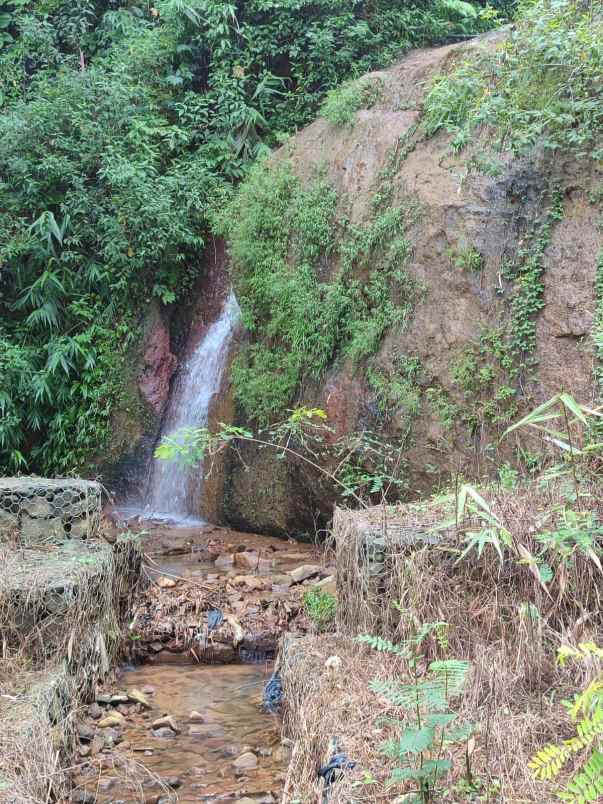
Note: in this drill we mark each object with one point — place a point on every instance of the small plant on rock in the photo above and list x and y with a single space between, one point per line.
430 724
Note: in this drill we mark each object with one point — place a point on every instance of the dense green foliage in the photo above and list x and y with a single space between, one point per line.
313 287
122 126
543 85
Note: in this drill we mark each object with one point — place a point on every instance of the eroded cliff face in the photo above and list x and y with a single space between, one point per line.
471 225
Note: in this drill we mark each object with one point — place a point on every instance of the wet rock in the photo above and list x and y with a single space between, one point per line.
196 717
112 720
137 696
304 572
248 560
224 561
166 721
85 731
164 733
156 646
247 761
95 711
166 583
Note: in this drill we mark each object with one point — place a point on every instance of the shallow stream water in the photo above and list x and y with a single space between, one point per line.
201 756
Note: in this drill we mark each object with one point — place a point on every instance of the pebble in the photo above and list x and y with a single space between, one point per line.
137 696
174 782
166 721
85 731
164 733
247 761
148 690
114 719
196 717
166 583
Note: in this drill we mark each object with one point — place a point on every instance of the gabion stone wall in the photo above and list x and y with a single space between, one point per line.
35 510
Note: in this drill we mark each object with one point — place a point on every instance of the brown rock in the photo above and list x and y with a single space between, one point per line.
115 719
248 560
166 721
158 363
166 583
252 582
304 572
282 581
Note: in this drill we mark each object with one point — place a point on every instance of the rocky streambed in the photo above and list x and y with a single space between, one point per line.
184 719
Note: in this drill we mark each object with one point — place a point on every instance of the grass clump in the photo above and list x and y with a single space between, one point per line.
543 85
320 606
342 103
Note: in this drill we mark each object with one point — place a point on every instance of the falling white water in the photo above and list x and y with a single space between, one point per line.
175 489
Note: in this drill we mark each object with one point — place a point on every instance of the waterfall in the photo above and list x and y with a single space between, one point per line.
175 489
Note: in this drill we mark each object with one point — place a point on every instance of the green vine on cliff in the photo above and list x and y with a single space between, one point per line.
528 299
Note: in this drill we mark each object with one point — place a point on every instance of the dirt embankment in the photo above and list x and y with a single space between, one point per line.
477 213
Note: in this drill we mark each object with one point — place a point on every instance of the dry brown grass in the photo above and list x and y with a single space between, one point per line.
500 618
61 613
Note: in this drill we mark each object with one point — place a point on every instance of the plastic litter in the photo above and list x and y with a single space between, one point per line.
215 618
335 768
273 693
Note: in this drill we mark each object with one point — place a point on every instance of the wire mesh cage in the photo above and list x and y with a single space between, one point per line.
36 510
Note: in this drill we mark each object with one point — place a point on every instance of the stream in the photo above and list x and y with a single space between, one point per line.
217 743
200 760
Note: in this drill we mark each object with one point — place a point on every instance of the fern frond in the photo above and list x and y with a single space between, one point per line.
547 762
587 784
589 729
453 673
382 645
411 741
459 735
